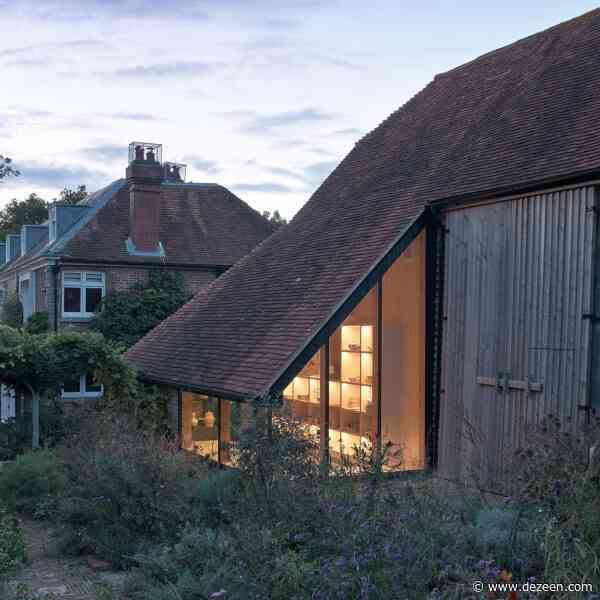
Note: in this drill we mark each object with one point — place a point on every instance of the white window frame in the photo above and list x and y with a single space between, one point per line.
82 284
82 393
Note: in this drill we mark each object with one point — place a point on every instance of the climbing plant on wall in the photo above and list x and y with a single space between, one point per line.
125 317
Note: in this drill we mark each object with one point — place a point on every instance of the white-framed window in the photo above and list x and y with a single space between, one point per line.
82 292
82 387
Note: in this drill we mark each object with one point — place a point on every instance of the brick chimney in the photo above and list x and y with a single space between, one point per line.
144 174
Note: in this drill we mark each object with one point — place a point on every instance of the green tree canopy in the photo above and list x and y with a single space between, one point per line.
275 218
34 210
6 167
16 213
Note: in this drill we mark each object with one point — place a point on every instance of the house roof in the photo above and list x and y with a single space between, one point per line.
524 115
201 225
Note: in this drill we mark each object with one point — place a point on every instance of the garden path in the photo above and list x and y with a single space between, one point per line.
49 576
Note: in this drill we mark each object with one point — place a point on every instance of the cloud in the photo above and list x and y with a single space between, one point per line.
69 45
283 172
316 173
269 187
75 10
353 131
210 167
58 176
169 69
268 123
134 116
107 153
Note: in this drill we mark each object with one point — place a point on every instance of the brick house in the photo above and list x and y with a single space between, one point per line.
111 240
439 292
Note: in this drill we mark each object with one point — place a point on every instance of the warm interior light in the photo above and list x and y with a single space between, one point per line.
209 419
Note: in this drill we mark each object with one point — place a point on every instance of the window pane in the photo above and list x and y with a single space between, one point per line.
303 395
70 276
92 299
72 300
93 277
72 386
403 357
234 417
199 424
352 412
92 386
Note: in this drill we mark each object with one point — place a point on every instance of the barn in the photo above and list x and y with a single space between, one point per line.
438 292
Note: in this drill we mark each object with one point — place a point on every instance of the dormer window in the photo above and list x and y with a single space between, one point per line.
82 293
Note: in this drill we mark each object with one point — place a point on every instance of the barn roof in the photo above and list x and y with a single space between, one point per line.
522 116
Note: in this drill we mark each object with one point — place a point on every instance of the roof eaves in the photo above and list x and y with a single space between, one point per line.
219 393
345 306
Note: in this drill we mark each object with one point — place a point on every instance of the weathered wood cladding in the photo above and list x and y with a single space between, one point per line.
517 311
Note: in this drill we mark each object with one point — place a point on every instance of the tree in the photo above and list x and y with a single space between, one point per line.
69 196
41 363
34 210
6 167
275 219
16 213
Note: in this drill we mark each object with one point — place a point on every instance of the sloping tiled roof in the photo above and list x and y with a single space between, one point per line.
526 114
95 201
201 224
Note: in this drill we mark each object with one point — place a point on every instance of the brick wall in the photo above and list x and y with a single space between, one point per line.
120 279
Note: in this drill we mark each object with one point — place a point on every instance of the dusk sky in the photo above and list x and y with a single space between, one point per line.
264 97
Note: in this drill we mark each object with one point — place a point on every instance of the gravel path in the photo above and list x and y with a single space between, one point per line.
49 576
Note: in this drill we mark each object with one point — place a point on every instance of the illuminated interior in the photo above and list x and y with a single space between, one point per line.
353 393
200 424
211 426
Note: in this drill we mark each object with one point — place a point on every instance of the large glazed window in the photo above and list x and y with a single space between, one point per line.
200 424
403 356
303 394
352 407
82 293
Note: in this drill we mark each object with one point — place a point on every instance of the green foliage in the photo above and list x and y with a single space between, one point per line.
13 552
31 482
125 488
70 196
6 168
275 218
37 323
43 362
125 317
15 438
558 474
31 211
12 311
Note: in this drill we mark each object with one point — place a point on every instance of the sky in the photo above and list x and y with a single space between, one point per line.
262 96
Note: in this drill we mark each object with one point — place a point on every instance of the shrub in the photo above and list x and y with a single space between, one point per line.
13 553
124 317
12 311
37 323
279 529
125 488
15 438
31 482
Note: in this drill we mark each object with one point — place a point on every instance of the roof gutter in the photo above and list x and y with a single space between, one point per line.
346 306
588 177
224 394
